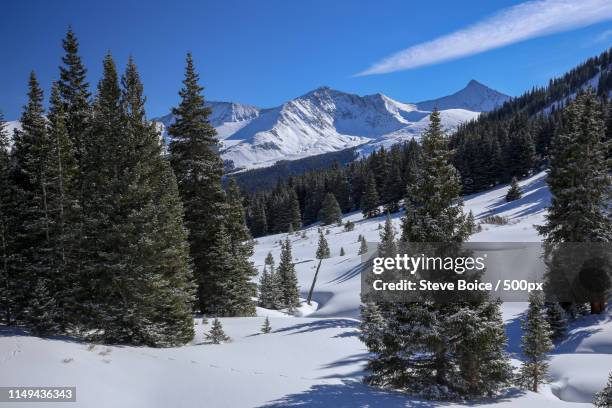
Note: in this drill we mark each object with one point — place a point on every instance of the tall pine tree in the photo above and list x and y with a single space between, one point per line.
198 168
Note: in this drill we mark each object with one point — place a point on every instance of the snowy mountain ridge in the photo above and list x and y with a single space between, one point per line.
326 120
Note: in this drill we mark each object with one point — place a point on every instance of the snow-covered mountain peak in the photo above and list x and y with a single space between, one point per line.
475 97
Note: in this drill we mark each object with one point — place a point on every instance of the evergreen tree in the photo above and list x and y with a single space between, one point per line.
265 290
216 334
535 345
295 218
387 248
580 182
266 328
288 278
363 247
74 93
270 286
555 315
372 329
7 218
259 224
394 187
421 351
64 210
229 283
35 261
521 149
159 248
603 399
322 253
198 168
242 250
370 200
322 248
330 212
437 215
514 193
342 252
579 177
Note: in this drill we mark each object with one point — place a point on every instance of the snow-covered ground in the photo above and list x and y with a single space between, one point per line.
314 360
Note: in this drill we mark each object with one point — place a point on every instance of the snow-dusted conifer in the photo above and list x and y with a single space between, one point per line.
514 193
216 334
535 344
322 248
557 319
363 247
266 328
370 199
287 278
603 399
330 212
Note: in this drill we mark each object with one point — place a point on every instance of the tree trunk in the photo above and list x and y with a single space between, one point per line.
314 280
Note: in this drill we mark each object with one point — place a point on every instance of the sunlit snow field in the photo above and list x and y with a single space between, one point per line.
312 360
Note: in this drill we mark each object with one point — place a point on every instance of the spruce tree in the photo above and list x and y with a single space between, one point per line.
330 212
557 320
216 334
363 247
535 345
233 300
387 248
322 248
35 263
421 352
370 199
198 168
270 286
603 399
437 215
514 193
7 220
266 327
287 278
63 203
580 183
342 252
520 156
579 177
242 250
265 290
155 224
322 253
74 93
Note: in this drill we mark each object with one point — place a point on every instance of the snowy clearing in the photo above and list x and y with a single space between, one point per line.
315 360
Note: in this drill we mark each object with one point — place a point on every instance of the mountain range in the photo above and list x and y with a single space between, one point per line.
327 120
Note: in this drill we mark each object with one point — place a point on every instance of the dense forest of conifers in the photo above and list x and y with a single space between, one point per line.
510 141
103 235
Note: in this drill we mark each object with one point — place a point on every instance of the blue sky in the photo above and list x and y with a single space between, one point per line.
266 52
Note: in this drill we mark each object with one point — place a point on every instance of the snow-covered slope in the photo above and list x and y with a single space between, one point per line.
327 120
315 360
475 97
226 117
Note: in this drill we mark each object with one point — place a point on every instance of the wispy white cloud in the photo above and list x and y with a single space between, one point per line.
604 36
511 25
